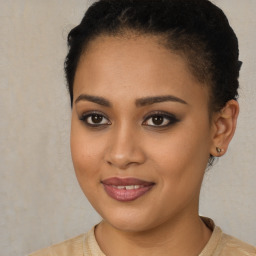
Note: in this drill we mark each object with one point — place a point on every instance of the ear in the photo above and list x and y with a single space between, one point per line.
224 126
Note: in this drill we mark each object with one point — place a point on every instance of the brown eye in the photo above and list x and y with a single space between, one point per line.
95 119
157 120
160 120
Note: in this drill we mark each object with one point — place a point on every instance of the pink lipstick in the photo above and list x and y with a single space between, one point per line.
126 189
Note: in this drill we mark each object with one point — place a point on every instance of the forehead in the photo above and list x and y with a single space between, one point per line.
137 64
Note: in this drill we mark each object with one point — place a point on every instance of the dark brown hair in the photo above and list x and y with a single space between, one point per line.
197 29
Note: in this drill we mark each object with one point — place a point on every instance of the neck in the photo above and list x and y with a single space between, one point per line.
184 235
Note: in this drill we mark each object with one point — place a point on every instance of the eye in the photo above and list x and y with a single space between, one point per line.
160 120
95 119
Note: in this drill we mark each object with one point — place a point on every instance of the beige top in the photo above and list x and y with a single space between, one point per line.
86 245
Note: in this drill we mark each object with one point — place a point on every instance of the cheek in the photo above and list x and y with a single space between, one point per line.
86 151
181 157
86 154
181 148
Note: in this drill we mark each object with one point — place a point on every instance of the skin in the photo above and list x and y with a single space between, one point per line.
129 144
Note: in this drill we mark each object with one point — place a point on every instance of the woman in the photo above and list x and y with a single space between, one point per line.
153 88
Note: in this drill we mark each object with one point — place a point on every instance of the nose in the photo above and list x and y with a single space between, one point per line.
124 149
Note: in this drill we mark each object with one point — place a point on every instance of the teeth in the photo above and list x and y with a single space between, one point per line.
129 187
120 187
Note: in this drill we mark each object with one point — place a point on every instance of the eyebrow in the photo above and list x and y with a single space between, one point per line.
95 99
158 99
139 102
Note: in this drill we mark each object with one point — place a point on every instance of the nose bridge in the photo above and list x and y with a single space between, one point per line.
124 147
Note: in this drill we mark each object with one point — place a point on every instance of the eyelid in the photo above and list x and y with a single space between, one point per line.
172 118
87 114
158 112
91 112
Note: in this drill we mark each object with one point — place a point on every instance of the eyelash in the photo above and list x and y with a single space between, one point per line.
167 118
84 118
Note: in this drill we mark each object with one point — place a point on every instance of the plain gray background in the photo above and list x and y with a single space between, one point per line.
40 200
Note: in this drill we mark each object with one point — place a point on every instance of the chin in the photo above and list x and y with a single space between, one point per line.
129 226
131 221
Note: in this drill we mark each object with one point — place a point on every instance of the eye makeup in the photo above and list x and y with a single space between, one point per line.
94 119
160 119
154 120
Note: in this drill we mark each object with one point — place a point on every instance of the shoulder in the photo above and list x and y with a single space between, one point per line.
230 245
221 244
73 246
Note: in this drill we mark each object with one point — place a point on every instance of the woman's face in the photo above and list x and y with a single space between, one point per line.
141 135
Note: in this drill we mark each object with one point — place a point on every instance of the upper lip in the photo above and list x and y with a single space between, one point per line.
115 181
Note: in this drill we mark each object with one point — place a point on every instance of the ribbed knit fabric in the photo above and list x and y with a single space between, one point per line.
71 247
219 244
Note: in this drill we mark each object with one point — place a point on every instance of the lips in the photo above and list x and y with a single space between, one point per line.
126 189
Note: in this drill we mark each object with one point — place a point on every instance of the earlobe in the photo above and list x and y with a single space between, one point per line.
224 124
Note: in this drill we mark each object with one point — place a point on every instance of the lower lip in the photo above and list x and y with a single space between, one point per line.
125 195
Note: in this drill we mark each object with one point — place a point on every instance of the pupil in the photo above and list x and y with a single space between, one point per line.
158 120
97 119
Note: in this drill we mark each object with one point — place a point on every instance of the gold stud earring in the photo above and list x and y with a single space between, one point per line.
218 150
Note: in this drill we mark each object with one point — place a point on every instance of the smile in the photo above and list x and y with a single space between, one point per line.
128 189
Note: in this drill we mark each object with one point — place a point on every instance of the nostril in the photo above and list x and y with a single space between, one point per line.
108 162
123 151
